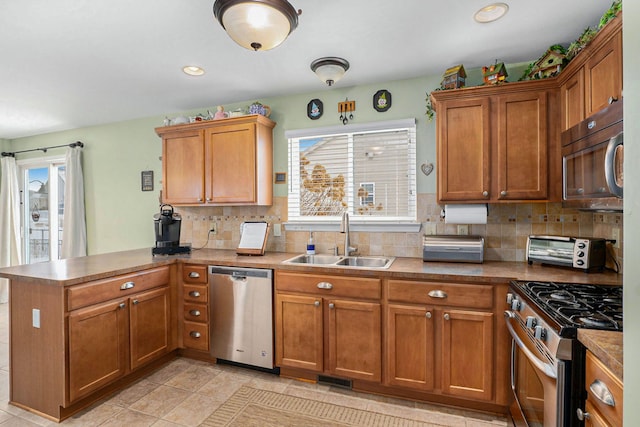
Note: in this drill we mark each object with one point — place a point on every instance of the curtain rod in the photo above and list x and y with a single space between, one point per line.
43 149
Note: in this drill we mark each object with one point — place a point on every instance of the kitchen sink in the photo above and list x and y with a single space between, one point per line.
342 261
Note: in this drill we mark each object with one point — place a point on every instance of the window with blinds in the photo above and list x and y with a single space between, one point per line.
368 172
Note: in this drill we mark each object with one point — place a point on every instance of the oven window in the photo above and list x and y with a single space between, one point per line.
529 390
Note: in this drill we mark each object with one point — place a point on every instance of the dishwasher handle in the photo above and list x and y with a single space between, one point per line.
241 272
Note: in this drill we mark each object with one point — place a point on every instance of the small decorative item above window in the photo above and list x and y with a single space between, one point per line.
314 109
344 108
494 74
454 77
382 100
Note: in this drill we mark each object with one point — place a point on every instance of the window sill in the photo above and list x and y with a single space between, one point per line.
368 226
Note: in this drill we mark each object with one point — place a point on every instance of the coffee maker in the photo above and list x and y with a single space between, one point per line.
167 225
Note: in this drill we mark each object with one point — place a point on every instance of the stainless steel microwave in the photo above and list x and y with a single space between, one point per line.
592 158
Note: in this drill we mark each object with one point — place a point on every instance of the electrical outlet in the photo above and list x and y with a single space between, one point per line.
213 227
463 230
277 230
615 235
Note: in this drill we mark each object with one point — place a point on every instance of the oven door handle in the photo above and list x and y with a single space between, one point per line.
548 369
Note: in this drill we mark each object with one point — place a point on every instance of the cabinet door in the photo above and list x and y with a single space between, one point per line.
463 149
299 332
603 75
355 339
467 354
149 317
98 347
522 168
183 168
572 99
594 418
410 347
231 164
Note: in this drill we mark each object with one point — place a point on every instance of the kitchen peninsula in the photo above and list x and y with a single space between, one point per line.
125 306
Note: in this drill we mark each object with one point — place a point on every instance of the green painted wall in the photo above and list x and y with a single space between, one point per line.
631 64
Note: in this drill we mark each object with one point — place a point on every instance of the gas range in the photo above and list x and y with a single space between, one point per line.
570 306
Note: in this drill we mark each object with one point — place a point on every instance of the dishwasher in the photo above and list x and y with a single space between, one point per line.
241 313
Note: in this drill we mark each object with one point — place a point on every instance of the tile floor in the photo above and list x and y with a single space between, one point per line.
184 392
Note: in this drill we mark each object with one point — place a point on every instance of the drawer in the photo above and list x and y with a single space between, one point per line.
196 335
435 293
115 287
599 380
194 273
320 284
196 312
196 293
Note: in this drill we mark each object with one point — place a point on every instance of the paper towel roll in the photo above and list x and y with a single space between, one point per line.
465 214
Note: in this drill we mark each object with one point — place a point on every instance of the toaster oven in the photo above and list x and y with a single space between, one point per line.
584 253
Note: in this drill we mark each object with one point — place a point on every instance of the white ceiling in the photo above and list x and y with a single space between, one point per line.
73 63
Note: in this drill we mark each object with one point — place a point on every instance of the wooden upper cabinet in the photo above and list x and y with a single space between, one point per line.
593 77
218 162
494 143
463 146
522 167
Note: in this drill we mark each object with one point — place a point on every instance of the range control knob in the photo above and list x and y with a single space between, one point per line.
531 322
516 305
540 333
509 298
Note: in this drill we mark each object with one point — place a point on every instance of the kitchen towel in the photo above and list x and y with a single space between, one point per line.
465 214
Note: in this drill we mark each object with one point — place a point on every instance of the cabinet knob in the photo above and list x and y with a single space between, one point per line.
194 334
331 305
208 199
317 303
195 313
503 193
324 285
200 199
428 315
194 275
194 294
582 415
446 316
612 99
485 193
127 285
122 305
135 302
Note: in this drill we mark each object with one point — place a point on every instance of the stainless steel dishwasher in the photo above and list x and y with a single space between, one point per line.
241 304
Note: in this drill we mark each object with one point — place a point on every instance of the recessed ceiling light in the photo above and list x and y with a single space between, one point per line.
491 13
193 70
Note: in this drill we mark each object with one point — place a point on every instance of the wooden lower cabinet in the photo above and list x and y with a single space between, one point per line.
325 329
604 405
108 340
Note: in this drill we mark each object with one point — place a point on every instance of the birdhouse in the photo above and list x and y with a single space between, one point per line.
494 74
549 65
453 78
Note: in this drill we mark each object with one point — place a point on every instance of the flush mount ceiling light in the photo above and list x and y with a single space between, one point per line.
330 69
193 70
256 24
491 13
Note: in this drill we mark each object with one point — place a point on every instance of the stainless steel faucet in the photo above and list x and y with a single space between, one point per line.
344 228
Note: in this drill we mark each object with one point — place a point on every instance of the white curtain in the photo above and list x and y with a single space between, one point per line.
9 221
74 229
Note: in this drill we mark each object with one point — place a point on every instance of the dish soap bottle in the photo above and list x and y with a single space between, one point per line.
311 247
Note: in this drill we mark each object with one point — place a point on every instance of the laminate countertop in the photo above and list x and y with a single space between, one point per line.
606 346
82 269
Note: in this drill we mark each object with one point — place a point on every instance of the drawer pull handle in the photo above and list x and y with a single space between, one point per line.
195 313
324 285
194 275
602 393
437 293
194 334
127 285
194 294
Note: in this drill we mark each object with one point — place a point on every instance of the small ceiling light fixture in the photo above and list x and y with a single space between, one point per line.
193 70
256 24
491 13
330 69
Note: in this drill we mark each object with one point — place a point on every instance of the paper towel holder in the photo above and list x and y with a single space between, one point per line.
443 213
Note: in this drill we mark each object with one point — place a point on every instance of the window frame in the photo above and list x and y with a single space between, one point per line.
407 223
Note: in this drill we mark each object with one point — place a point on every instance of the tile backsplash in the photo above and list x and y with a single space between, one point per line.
505 233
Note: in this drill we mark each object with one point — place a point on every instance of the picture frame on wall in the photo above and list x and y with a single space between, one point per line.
382 100
315 109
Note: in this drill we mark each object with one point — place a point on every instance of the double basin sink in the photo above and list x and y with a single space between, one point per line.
342 261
